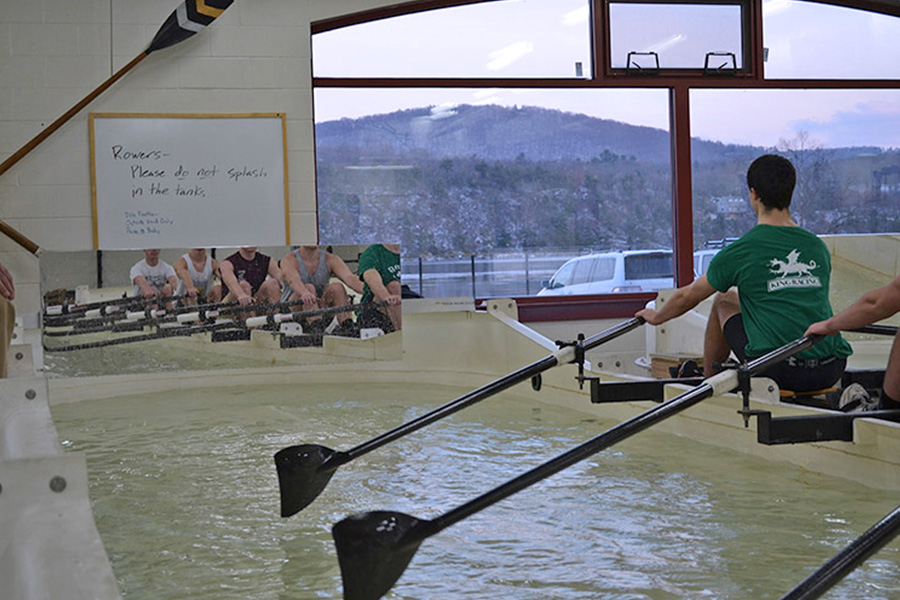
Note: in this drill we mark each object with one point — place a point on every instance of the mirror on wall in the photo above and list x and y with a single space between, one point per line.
162 310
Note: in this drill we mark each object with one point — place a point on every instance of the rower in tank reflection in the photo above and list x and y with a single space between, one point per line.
153 278
379 269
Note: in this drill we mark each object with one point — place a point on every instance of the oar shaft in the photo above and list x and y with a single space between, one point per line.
878 329
562 356
448 409
717 384
608 438
848 559
613 332
17 236
48 131
162 333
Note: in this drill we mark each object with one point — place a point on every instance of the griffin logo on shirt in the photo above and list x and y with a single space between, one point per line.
802 271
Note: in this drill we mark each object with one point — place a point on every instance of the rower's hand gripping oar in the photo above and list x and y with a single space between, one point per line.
304 470
374 548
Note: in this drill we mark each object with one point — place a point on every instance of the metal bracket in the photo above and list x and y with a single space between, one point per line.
722 69
800 429
632 67
579 358
625 391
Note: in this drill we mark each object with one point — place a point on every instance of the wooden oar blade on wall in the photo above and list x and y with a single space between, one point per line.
191 17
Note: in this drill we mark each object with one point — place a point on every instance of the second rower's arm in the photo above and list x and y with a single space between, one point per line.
376 284
873 306
291 274
147 290
682 300
231 283
184 275
340 269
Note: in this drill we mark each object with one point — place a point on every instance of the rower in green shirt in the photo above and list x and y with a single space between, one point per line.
770 285
379 268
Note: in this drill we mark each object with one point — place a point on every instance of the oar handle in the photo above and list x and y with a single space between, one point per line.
878 329
848 559
717 384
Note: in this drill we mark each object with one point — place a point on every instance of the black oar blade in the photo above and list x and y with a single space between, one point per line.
301 475
374 549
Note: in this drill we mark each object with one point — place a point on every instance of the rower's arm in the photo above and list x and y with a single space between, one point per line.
682 300
376 284
873 306
340 269
291 274
228 278
184 275
147 290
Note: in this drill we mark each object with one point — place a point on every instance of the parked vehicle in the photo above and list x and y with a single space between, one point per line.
702 258
617 272
611 273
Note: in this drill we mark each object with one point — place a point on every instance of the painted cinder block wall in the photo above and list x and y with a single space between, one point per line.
254 58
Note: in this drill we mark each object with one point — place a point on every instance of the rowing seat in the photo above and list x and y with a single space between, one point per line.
823 398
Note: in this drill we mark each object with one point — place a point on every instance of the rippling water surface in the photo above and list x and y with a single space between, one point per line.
186 500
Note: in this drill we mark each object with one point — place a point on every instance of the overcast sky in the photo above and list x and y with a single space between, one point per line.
517 38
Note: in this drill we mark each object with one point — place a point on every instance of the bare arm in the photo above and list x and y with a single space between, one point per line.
872 306
232 284
376 284
147 290
181 269
275 271
684 299
340 270
290 271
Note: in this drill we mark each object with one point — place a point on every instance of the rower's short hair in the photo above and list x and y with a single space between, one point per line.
773 178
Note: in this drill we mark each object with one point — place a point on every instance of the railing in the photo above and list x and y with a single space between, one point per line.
498 275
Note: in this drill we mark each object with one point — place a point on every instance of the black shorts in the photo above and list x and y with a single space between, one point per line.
792 374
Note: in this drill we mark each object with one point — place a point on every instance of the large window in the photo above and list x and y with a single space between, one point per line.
675 36
483 138
844 145
513 38
806 40
463 174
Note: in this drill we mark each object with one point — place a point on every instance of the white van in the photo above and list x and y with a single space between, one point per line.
611 273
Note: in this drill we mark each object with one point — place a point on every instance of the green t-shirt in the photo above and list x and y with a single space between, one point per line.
783 276
384 261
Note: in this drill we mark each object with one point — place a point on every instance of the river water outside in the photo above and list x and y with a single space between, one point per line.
185 497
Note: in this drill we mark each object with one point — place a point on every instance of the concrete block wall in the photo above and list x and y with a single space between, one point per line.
254 58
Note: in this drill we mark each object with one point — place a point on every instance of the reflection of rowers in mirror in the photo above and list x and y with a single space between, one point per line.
196 272
244 277
379 268
308 271
153 278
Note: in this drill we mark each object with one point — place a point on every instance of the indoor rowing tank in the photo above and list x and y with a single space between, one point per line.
186 501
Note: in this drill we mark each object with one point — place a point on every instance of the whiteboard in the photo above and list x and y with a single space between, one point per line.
188 181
